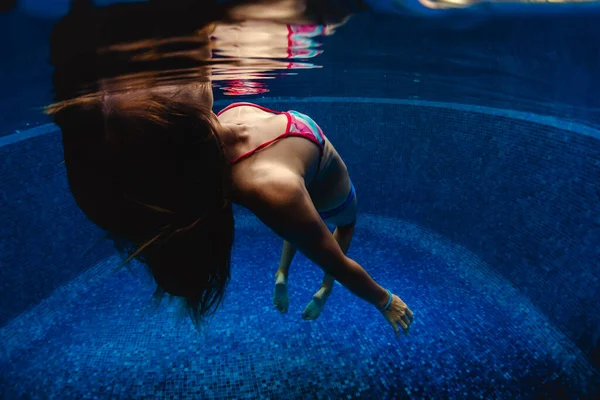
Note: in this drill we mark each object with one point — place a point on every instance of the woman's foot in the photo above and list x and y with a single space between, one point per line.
314 308
280 293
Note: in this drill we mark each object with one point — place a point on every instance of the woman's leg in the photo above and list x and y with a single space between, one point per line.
280 293
343 235
287 255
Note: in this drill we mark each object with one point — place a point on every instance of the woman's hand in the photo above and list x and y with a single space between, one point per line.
398 313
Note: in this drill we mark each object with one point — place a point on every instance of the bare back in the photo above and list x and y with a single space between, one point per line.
325 175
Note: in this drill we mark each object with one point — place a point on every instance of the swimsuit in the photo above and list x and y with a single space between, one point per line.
298 125
338 210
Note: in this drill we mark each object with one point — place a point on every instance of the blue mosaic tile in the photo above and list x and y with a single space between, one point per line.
522 193
45 240
501 263
474 336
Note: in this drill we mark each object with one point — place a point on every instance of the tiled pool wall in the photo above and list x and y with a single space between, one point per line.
45 240
514 188
519 190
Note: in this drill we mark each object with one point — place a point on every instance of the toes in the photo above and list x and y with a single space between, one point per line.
281 306
306 313
280 297
281 302
312 311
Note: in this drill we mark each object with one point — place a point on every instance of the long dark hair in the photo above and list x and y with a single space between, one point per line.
150 170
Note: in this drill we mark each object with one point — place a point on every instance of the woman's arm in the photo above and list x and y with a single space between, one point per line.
284 205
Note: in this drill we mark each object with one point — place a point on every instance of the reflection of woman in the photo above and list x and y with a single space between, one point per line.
160 171
262 46
264 39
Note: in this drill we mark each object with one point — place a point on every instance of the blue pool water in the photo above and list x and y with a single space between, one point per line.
476 158
490 322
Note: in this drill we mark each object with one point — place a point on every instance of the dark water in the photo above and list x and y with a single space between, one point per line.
486 328
546 65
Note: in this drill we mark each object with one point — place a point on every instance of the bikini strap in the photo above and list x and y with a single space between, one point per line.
240 104
259 147
267 143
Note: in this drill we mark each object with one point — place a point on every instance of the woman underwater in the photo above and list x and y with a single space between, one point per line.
155 167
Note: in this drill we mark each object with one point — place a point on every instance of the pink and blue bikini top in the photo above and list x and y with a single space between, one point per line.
298 125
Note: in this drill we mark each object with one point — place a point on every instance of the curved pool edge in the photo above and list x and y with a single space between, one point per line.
539 119
463 113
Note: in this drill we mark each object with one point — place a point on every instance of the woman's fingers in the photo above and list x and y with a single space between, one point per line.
399 316
407 320
403 324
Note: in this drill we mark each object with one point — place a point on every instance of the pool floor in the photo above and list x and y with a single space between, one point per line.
474 335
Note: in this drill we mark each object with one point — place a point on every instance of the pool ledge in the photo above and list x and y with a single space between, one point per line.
546 120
